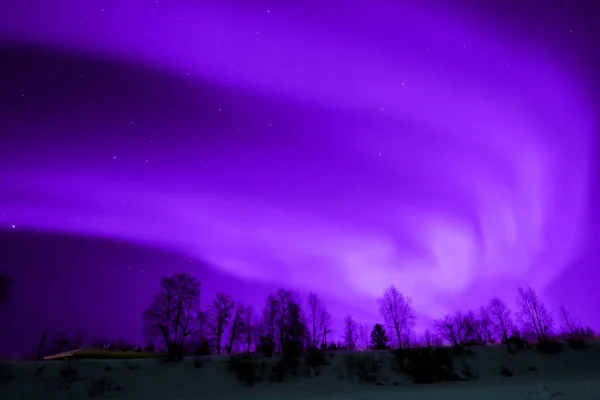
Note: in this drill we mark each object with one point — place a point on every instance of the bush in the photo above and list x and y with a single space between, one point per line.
203 349
366 368
517 341
315 358
68 376
504 371
278 372
266 346
262 372
245 369
469 373
550 347
426 365
514 343
577 343
99 387
291 358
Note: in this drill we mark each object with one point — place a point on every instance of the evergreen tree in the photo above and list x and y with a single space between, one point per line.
379 339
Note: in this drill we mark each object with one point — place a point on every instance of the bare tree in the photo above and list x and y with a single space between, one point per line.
427 339
455 328
350 333
249 328
326 326
219 316
363 336
201 325
571 327
397 312
5 285
296 329
283 316
268 327
318 320
532 314
237 327
172 316
501 318
482 326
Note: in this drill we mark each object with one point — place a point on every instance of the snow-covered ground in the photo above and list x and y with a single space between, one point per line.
571 374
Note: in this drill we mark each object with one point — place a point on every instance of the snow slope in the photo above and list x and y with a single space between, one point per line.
571 374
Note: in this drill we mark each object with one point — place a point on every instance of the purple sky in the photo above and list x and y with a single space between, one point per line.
444 147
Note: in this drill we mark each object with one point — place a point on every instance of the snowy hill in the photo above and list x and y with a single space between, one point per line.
495 374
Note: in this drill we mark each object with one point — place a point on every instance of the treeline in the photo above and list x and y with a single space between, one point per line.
178 324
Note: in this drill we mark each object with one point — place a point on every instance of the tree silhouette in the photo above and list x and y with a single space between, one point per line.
318 320
296 327
482 326
427 339
455 328
284 318
219 314
268 326
571 328
501 318
532 314
250 328
202 325
326 324
236 328
363 336
379 338
397 313
173 315
350 333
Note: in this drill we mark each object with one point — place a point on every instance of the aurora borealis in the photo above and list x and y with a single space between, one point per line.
313 145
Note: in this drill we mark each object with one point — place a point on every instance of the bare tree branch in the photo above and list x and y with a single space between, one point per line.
219 316
172 316
397 312
533 315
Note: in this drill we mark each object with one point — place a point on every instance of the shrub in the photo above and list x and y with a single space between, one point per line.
469 373
426 365
245 369
365 368
291 358
203 349
315 358
514 343
278 372
577 343
266 346
550 347
99 387
517 341
262 372
68 376
504 371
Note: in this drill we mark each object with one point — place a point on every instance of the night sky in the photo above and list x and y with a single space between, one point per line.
447 147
